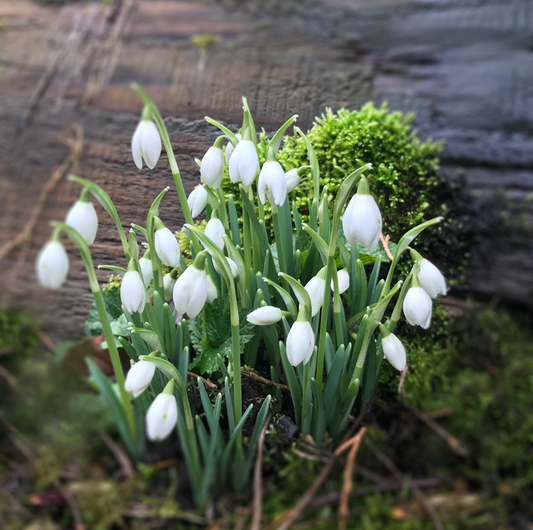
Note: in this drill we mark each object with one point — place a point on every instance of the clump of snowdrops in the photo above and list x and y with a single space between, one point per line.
302 294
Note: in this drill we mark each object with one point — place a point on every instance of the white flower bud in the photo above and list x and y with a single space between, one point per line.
161 417
394 351
52 265
215 232
300 343
232 266
417 307
167 247
197 200
343 279
272 183
146 144
315 289
264 316
212 167
190 292
431 279
244 163
146 270
293 179
362 221
168 286
82 216
133 292
229 149
139 377
212 293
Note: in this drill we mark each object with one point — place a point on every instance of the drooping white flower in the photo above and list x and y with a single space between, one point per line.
362 219
232 266
293 179
244 163
146 269
417 307
264 316
82 216
214 230
133 292
431 279
146 144
139 377
343 279
229 149
197 200
315 289
169 280
162 416
190 292
212 167
300 343
211 290
166 245
394 351
52 265
272 183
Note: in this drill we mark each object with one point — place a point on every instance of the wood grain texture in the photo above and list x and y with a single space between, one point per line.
464 67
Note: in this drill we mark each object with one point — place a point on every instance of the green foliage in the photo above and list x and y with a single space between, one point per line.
211 335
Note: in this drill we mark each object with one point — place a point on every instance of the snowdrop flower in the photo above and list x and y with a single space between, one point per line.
265 316
417 306
212 165
244 163
82 216
321 213
139 377
393 349
362 219
343 279
169 280
212 293
293 179
232 266
272 183
197 200
431 279
146 268
132 290
162 416
229 149
166 245
146 142
52 265
215 232
190 290
315 289
300 340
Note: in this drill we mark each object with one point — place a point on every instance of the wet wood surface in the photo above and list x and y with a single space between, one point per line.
465 67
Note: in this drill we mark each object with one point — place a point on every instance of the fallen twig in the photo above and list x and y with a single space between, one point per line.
74 508
205 381
258 477
385 242
121 456
268 382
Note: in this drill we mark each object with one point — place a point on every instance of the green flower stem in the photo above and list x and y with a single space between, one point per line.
337 324
324 320
247 240
154 258
279 241
75 236
305 397
222 210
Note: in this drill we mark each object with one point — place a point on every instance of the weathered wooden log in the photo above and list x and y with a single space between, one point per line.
464 67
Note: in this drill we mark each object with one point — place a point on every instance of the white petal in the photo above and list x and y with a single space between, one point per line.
264 316
394 351
215 231
229 149
417 307
362 221
161 417
211 290
245 162
167 247
82 216
182 290
212 167
133 292
431 279
146 270
136 146
343 279
197 200
315 289
300 343
139 377
198 294
292 179
52 265
150 143
168 286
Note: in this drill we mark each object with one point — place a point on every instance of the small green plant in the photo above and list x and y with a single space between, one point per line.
298 303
